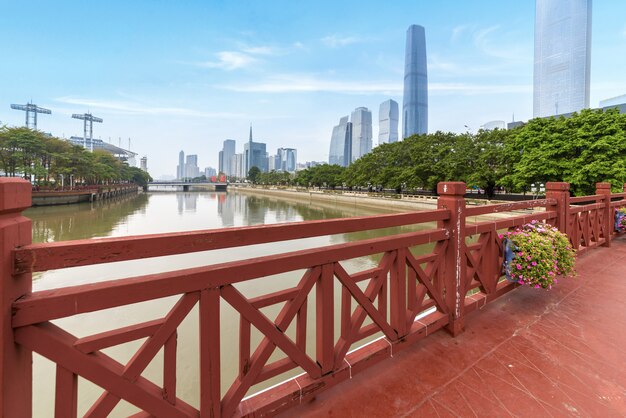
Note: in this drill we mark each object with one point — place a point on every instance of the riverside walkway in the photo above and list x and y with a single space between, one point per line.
529 354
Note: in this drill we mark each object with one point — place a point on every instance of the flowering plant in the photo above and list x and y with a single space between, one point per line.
536 254
620 219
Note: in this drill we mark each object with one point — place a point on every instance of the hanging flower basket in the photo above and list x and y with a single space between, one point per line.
620 219
536 254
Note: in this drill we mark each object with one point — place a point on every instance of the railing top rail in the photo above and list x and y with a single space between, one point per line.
507 207
59 303
510 222
582 199
618 203
585 208
49 256
614 195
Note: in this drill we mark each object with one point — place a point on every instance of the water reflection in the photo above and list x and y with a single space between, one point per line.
84 220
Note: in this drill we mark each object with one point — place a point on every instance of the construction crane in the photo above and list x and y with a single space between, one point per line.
31 113
88 119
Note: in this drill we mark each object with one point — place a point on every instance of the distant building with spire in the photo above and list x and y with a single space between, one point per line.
255 155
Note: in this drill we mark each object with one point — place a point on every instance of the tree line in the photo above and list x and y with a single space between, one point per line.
586 148
34 155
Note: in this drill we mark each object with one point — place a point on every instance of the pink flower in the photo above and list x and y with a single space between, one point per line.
519 266
534 263
537 286
529 258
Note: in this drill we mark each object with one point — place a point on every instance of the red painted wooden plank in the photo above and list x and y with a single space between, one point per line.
274 298
244 345
118 336
586 208
169 368
500 224
276 368
210 383
582 199
301 321
57 345
66 394
507 207
59 303
48 256
325 319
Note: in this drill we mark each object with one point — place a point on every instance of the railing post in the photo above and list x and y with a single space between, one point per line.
16 361
559 191
451 197
605 190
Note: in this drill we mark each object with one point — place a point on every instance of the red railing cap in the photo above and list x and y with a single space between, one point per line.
557 186
603 185
15 194
448 188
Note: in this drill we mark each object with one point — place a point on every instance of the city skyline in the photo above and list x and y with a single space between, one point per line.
173 77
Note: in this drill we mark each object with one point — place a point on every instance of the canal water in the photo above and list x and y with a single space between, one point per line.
173 212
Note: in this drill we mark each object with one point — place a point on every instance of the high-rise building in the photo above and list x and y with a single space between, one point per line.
415 102
388 115
228 150
341 143
191 167
143 163
255 154
180 169
562 56
287 159
361 132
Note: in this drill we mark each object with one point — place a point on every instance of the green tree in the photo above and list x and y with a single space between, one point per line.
253 174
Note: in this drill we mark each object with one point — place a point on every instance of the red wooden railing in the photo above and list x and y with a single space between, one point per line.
405 296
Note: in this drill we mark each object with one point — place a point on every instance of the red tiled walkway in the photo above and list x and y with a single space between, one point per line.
529 354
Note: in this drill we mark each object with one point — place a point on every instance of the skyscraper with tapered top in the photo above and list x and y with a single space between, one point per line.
415 103
562 56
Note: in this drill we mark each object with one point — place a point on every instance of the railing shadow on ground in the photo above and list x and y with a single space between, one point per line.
407 296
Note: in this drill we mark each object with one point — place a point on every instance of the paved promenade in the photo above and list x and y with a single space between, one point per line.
529 354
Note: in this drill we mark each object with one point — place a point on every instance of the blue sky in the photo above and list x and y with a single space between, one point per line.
186 75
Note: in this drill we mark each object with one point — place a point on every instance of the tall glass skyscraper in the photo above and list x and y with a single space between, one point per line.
341 143
361 132
228 150
388 115
562 56
415 106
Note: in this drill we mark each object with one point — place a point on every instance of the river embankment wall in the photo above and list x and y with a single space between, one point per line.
364 200
52 198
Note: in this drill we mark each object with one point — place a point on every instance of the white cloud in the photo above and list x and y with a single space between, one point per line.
335 41
130 108
457 31
310 84
230 60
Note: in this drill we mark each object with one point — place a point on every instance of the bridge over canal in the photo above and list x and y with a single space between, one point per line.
186 186
375 344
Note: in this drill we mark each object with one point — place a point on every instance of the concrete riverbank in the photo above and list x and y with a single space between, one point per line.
363 200
53 197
